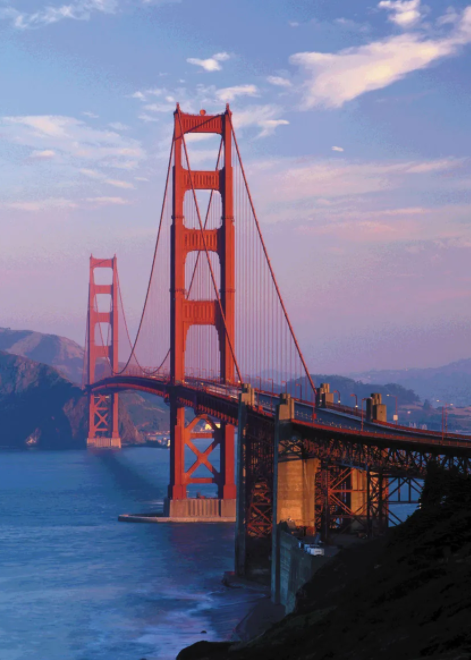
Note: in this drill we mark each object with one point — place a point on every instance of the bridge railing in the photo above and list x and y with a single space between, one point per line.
348 410
357 413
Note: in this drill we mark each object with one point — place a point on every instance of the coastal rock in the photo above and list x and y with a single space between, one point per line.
407 595
203 650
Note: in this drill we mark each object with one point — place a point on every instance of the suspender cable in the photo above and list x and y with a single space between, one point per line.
152 269
269 262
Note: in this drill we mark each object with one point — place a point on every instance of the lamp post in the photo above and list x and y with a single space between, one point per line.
334 392
272 392
365 398
356 399
301 387
396 416
445 418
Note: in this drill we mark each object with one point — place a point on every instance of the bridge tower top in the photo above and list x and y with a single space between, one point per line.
219 311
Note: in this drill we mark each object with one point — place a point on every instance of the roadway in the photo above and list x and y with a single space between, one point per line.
338 418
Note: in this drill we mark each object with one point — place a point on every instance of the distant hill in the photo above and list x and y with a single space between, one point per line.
347 386
450 383
410 408
40 408
63 354
147 413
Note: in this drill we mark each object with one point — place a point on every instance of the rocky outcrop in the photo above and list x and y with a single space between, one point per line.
40 408
139 412
406 596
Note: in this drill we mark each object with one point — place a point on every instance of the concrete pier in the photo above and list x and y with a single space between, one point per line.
193 508
104 443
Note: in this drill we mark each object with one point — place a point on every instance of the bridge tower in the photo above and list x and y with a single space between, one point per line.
185 313
102 354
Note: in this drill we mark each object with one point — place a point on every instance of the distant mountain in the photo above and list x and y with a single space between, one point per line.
40 408
63 354
147 413
449 384
347 387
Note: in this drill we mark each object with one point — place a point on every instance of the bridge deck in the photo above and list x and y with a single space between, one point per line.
221 401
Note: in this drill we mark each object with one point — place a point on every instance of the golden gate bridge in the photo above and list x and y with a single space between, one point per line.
215 336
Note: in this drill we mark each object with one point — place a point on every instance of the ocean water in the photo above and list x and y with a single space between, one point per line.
77 585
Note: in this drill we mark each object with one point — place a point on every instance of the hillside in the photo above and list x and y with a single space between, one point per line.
411 410
40 408
450 383
63 354
346 387
147 413
407 595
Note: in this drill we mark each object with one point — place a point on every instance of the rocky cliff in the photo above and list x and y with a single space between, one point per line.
40 408
406 596
139 412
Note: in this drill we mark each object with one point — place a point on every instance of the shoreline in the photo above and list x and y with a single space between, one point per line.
262 615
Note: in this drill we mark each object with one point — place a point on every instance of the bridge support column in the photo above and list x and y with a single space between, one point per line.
255 491
287 488
293 489
214 309
177 486
341 500
377 502
185 441
227 486
359 499
246 400
103 425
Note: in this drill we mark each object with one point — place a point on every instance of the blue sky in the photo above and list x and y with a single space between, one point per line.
354 123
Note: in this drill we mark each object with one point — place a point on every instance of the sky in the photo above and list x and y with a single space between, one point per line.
354 122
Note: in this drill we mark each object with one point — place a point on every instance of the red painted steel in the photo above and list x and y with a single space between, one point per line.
224 323
185 313
102 357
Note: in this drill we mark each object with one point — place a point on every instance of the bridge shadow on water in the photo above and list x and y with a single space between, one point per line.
132 480
185 547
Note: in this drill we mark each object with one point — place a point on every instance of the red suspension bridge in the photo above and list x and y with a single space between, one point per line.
222 345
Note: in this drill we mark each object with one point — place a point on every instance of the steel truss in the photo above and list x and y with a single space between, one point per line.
259 477
361 456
